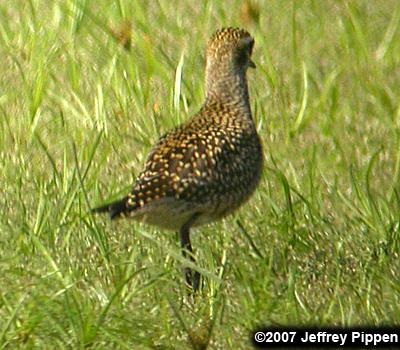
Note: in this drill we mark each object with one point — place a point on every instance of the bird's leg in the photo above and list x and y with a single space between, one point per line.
192 277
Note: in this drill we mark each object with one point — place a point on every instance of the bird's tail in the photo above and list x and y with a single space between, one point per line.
114 209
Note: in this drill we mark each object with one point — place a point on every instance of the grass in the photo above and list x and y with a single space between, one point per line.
318 243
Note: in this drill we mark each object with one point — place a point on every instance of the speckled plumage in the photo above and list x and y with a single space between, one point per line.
210 165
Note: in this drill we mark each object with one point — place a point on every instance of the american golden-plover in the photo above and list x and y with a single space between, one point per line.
210 165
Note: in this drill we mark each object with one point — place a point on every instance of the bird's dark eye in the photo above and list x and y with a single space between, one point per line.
242 57
244 53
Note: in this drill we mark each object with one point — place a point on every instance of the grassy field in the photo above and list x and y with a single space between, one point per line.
83 97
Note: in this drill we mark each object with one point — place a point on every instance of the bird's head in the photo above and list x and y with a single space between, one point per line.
229 50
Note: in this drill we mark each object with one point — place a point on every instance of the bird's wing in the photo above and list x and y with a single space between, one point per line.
175 168
187 164
182 165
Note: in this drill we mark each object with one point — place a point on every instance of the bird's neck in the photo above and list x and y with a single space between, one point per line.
229 88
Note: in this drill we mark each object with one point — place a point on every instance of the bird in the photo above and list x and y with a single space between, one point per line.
207 167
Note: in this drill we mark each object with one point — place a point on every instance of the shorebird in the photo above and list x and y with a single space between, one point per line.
210 165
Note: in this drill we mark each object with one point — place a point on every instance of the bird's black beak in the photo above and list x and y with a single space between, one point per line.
252 64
